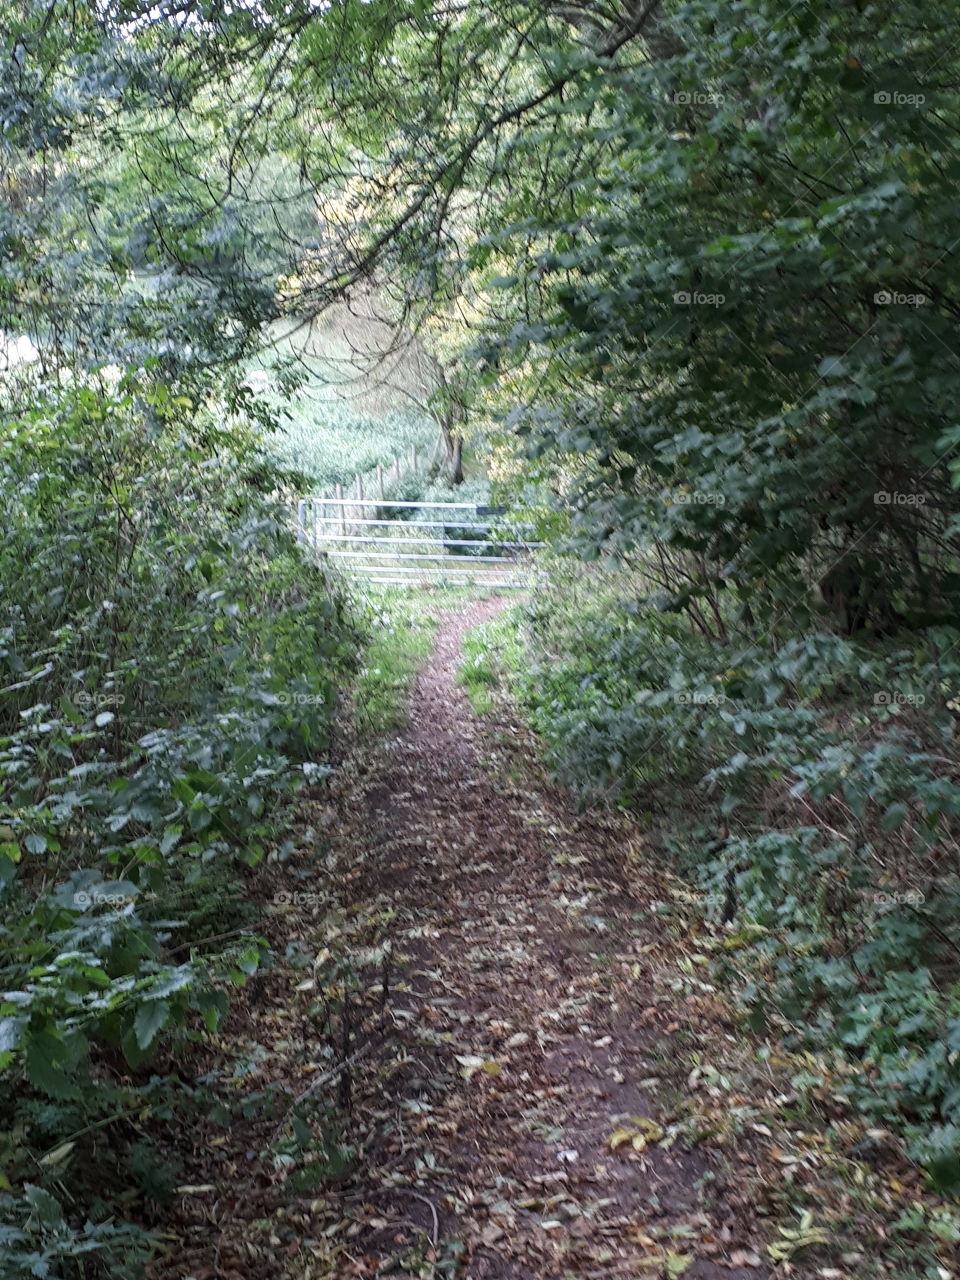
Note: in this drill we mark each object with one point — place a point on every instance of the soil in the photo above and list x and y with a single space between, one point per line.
491 1046
524 1040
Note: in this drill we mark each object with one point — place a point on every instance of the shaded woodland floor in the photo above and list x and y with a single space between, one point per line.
527 1050
501 1012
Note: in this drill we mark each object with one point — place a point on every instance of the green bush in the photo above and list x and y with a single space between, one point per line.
806 784
170 666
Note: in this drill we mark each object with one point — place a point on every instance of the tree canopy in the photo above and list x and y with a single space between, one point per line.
692 265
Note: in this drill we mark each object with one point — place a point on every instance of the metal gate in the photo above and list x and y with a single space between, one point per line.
417 543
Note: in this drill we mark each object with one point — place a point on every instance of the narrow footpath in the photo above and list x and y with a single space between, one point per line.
489 1046
527 1128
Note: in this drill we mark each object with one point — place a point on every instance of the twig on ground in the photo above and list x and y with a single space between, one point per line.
408 1191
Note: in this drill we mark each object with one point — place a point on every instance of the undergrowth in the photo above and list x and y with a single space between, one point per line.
806 784
171 667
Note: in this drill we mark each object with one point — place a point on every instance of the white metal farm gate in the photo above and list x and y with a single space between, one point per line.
417 543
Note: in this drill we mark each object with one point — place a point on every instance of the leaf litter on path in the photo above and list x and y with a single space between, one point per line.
542 1082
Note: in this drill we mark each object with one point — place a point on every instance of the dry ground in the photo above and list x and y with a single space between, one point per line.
495 1028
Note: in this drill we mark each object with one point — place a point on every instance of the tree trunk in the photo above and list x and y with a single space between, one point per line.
455 459
453 446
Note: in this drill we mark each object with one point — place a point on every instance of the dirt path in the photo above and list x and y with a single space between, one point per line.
523 1105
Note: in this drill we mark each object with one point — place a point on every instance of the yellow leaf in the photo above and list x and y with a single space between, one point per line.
471 1063
675 1264
620 1138
649 1128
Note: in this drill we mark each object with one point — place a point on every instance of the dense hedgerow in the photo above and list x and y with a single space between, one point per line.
807 784
170 669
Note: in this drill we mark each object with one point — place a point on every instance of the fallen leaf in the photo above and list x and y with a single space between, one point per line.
620 1138
675 1264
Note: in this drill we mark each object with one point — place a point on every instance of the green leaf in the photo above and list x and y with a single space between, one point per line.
212 1006
45 1207
832 367
134 1055
170 839
10 1032
894 816
47 1061
150 1017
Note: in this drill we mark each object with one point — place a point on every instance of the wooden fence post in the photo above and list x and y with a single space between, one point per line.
380 481
343 523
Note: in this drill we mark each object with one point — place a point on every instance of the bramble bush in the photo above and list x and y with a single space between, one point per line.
170 666
808 784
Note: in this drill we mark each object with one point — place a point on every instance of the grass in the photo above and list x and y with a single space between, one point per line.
401 625
490 653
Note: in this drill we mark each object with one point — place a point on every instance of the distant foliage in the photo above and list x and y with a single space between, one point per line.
331 443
